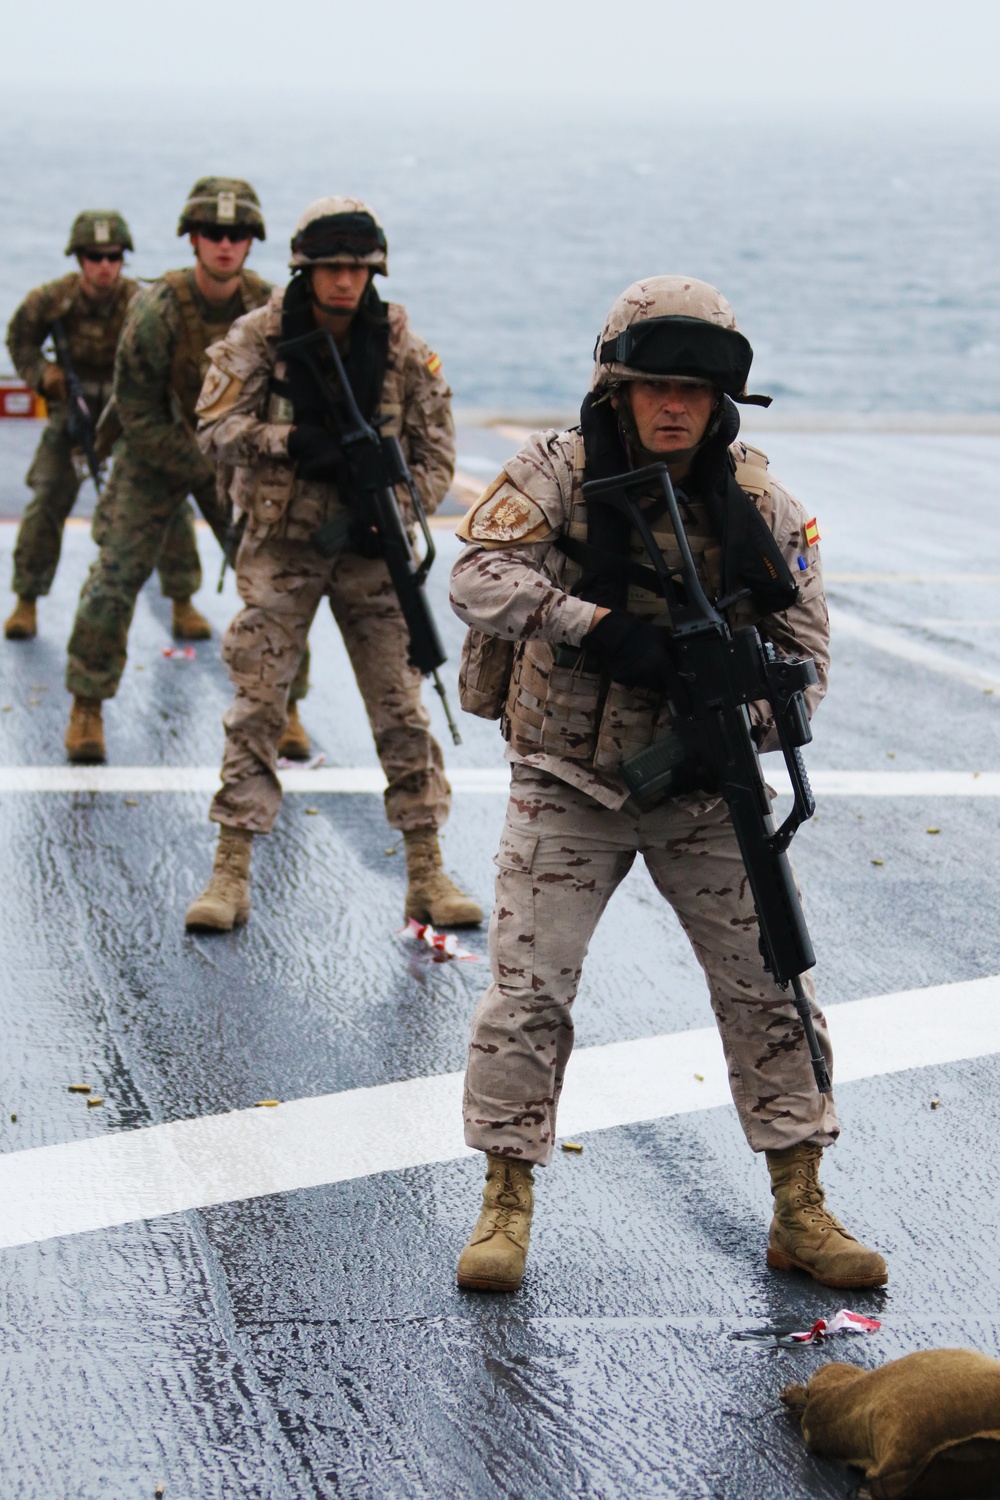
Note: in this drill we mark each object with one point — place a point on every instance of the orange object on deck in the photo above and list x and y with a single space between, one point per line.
18 400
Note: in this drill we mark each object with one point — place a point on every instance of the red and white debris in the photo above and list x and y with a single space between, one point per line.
179 653
843 1322
444 945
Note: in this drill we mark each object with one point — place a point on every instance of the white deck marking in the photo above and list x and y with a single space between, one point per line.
490 780
164 1169
894 643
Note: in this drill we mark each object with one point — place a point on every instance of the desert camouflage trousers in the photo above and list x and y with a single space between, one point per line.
281 582
134 518
55 483
562 855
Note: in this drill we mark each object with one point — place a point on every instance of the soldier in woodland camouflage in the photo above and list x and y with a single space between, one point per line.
159 368
566 647
265 422
91 303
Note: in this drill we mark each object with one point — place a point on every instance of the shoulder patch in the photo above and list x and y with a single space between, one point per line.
504 515
433 364
811 533
218 393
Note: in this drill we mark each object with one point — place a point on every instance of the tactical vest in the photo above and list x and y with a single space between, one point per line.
583 715
190 364
92 334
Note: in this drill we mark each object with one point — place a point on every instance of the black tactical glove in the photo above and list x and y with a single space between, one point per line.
315 451
634 651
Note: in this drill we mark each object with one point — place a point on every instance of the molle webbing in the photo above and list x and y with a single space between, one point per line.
190 364
92 336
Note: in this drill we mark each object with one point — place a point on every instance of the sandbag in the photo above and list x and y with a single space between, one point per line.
925 1426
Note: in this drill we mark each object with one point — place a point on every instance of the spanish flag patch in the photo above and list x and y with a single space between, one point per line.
811 533
433 364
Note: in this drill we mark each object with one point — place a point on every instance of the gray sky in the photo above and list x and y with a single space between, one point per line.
867 54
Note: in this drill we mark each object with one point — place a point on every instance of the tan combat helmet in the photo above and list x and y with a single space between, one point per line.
222 200
98 229
669 328
340 232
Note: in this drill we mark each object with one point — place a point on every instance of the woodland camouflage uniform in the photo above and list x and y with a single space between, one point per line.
92 328
157 463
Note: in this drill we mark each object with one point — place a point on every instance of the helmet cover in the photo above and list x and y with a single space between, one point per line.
98 229
338 231
222 200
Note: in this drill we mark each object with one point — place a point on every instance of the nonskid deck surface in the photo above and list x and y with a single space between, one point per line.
300 1332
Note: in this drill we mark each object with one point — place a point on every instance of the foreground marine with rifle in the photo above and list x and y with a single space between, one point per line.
316 403
639 644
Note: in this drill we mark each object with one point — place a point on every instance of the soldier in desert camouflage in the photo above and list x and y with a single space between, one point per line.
566 648
159 368
272 433
91 303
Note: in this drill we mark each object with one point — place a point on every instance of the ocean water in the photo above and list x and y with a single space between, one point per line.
862 257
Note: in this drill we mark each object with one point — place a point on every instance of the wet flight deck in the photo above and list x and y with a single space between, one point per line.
228 1300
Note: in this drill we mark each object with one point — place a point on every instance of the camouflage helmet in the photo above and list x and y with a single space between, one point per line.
222 200
673 327
97 229
339 232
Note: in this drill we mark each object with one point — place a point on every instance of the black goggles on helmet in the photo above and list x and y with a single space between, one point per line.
351 235
687 347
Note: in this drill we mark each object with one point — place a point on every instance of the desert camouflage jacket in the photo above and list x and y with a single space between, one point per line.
244 424
513 582
92 330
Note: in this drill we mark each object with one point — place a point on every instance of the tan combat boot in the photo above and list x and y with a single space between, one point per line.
188 624
22 625
493 1260
85 732
225 901
430 895
804 1233
294 743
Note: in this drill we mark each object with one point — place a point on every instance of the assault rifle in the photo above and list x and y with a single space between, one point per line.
78 423
717 673
375 465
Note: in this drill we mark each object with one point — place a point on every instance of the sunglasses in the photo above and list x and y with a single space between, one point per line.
234 233
99 255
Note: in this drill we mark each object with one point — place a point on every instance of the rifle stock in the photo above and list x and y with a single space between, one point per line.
711 742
